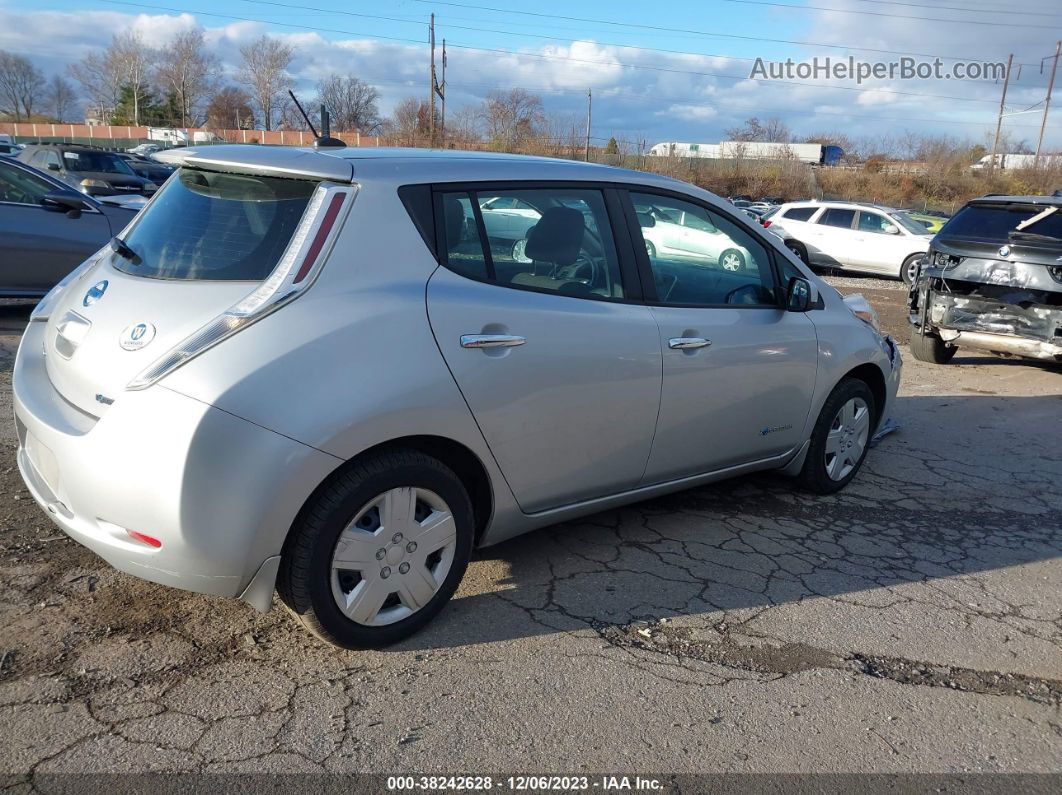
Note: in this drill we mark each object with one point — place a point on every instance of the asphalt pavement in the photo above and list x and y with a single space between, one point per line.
911 624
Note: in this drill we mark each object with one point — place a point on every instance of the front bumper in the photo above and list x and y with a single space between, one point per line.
218 492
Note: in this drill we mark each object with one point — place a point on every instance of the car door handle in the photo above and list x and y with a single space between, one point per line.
491 341
687 343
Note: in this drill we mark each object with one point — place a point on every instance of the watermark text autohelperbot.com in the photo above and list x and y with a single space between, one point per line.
905 68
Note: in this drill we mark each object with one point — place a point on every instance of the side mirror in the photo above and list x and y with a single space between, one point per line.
53 166
798 295
889 229
63 201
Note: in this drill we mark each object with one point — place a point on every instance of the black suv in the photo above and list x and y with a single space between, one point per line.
90 169
992 281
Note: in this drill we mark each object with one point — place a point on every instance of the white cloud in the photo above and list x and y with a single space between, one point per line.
682 97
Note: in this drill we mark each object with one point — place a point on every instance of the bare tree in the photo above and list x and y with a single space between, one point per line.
410 120
512 117
60 98
265 61
21 86
230 109
189 71
351 103
772 130
132 61
100 80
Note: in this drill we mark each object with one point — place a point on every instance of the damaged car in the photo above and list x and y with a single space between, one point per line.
992 281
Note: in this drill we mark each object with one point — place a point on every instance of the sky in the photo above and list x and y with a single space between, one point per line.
675 71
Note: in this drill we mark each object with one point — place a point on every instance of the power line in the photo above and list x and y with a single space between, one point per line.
544 56
993 10
712 34
883 14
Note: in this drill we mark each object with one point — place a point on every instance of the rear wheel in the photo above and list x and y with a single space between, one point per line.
732 260
840 439
928 347
798 249
650 249
379 551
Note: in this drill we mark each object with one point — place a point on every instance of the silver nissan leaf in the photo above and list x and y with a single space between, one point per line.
334 373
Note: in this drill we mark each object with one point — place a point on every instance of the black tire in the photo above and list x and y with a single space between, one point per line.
650 249
798 249
737 254
909 268
928 347
813 475
304 579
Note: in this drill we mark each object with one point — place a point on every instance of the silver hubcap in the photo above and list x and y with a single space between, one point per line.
393 558
732 262
847 438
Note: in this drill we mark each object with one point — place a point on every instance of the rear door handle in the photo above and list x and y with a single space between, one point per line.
491 341
688 343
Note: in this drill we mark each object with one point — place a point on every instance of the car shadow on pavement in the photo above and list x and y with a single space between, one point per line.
969 484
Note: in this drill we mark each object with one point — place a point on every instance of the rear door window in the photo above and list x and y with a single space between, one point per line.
555 239
835 216
210 226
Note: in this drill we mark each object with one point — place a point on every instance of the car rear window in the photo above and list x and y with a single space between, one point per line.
993 223
209 226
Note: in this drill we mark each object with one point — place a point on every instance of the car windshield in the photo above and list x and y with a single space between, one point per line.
219 227
88 160
995 223
910 224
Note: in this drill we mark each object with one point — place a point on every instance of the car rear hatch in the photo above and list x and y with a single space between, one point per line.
215 250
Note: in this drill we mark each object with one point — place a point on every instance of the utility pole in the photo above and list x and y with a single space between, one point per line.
589 106
999 119
1047 103
440 89
431 84
436 88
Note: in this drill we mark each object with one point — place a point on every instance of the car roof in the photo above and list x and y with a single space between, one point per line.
400 165
841 203
1055 201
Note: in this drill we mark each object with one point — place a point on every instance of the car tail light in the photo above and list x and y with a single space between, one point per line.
296 271
765 223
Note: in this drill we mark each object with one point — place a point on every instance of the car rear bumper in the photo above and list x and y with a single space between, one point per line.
218 493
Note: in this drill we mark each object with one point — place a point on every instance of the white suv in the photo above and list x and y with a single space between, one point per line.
851 236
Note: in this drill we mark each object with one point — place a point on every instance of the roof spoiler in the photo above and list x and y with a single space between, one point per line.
265 161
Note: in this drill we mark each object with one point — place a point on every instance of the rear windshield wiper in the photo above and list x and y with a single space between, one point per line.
122 249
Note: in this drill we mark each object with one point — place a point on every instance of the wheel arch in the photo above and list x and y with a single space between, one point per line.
464 463
871 375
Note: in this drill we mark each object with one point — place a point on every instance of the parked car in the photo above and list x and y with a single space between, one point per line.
89 169
681 233
850 236
992 281
307 371
932 223
148 169
47 229
10 149
145 149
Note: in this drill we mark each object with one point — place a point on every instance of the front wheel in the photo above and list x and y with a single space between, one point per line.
840 439
650 249
378 551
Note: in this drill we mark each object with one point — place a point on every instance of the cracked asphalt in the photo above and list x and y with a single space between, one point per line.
912 623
